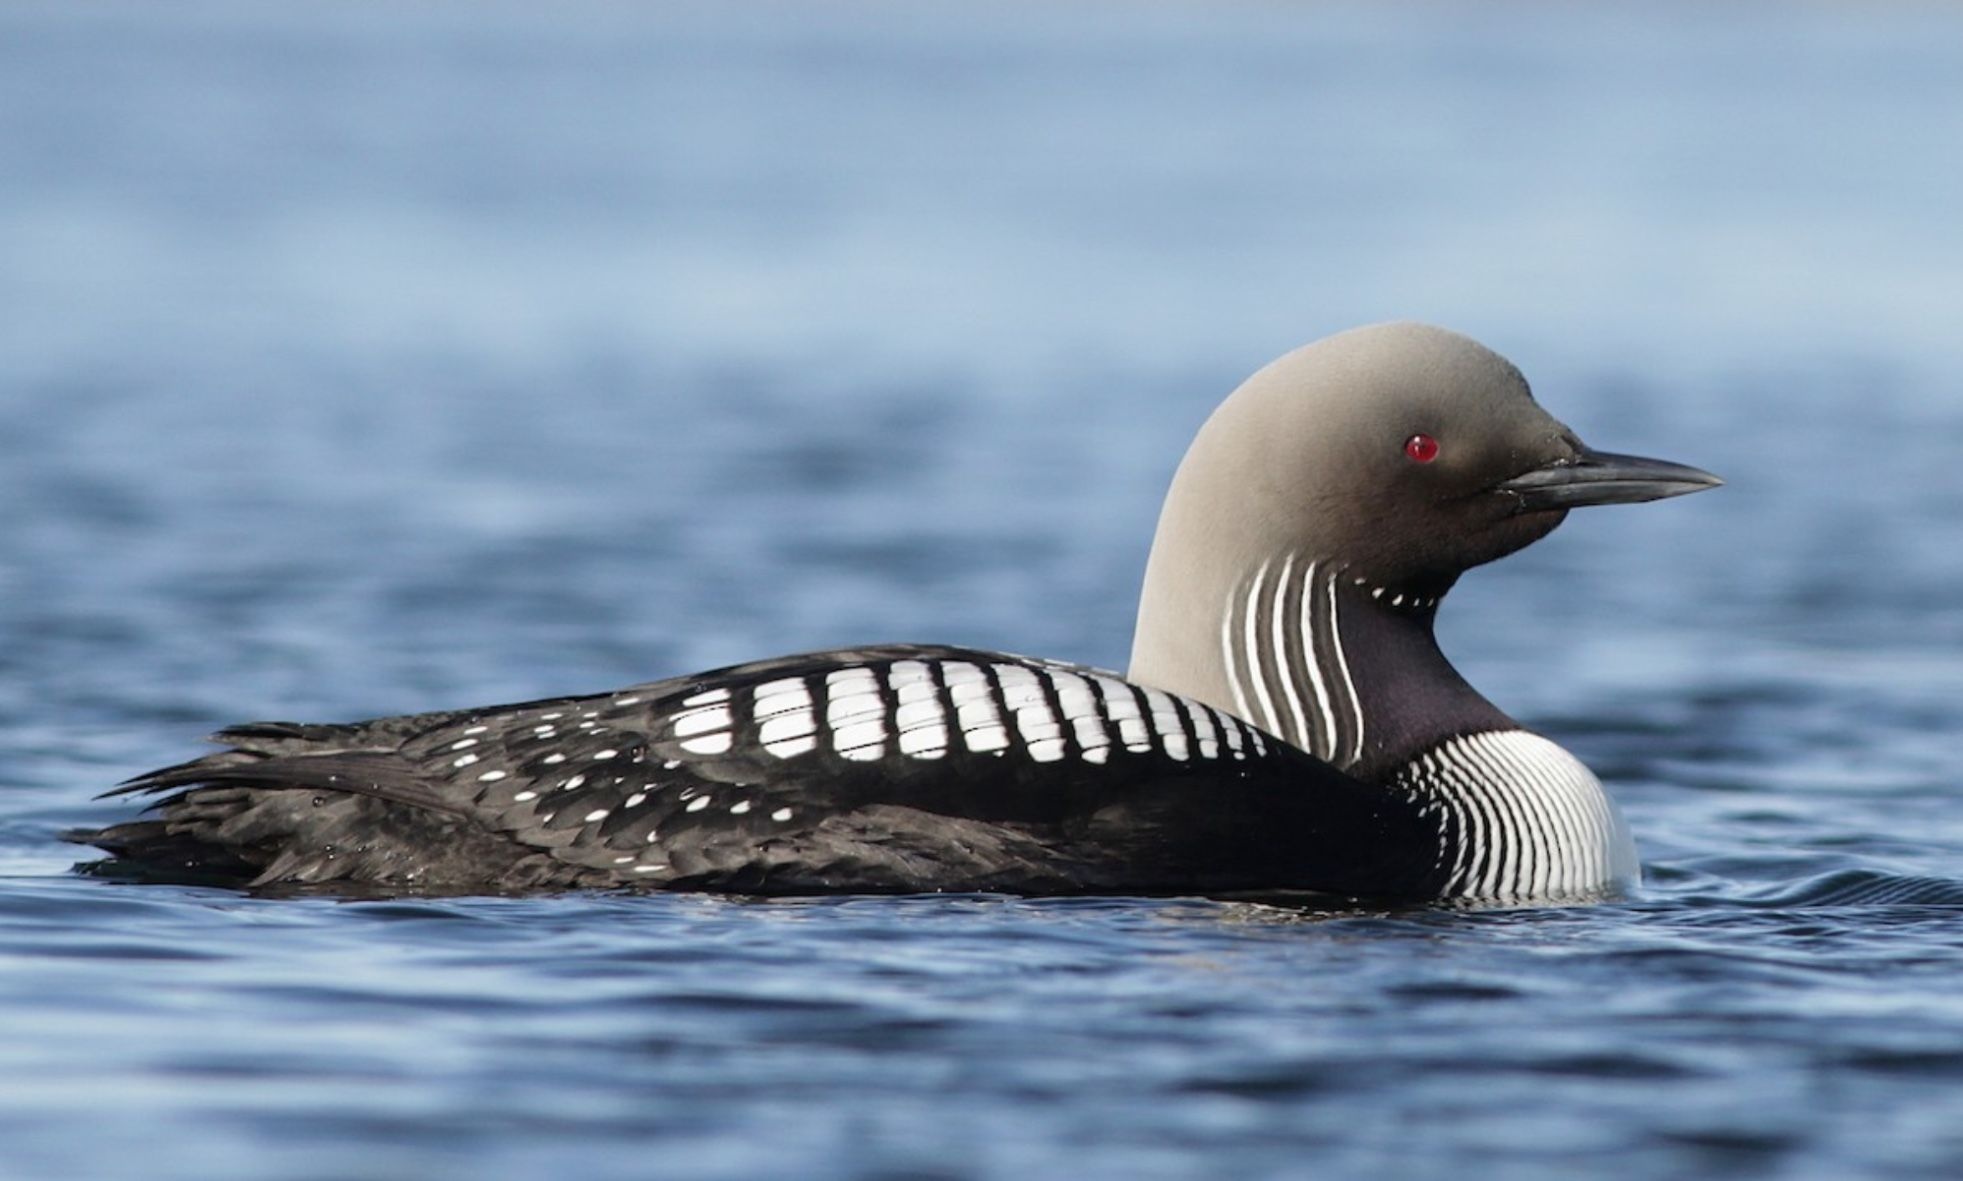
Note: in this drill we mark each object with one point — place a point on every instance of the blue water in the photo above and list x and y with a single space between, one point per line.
357 360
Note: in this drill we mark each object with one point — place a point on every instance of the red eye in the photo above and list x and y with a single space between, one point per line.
1421 448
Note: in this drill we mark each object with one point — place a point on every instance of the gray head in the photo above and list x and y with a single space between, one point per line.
1382 462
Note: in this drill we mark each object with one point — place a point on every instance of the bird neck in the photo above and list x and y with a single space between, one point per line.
1316 653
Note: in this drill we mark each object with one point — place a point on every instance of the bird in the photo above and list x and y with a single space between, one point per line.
1288 722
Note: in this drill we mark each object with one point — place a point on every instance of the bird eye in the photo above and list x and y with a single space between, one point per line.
1421 448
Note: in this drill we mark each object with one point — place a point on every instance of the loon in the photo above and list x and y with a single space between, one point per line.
1288 722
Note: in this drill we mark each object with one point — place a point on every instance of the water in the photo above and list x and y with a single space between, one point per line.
360 361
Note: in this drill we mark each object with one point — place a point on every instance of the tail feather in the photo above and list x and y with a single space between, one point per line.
172 849
285 800
275 739
366 773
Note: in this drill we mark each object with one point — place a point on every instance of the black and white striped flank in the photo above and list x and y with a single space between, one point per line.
1521 818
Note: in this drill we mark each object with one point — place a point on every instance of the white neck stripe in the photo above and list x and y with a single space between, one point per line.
1292 677
1306 651
1281 656
1252 641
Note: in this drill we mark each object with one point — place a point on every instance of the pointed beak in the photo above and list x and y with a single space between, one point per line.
1598 477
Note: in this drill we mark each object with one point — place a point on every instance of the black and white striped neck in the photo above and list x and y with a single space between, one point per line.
1334 662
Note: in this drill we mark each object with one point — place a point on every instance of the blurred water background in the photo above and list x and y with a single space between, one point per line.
367 358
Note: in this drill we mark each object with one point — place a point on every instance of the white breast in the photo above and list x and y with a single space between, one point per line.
1526 820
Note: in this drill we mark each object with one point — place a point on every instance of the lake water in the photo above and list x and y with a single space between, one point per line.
362 360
